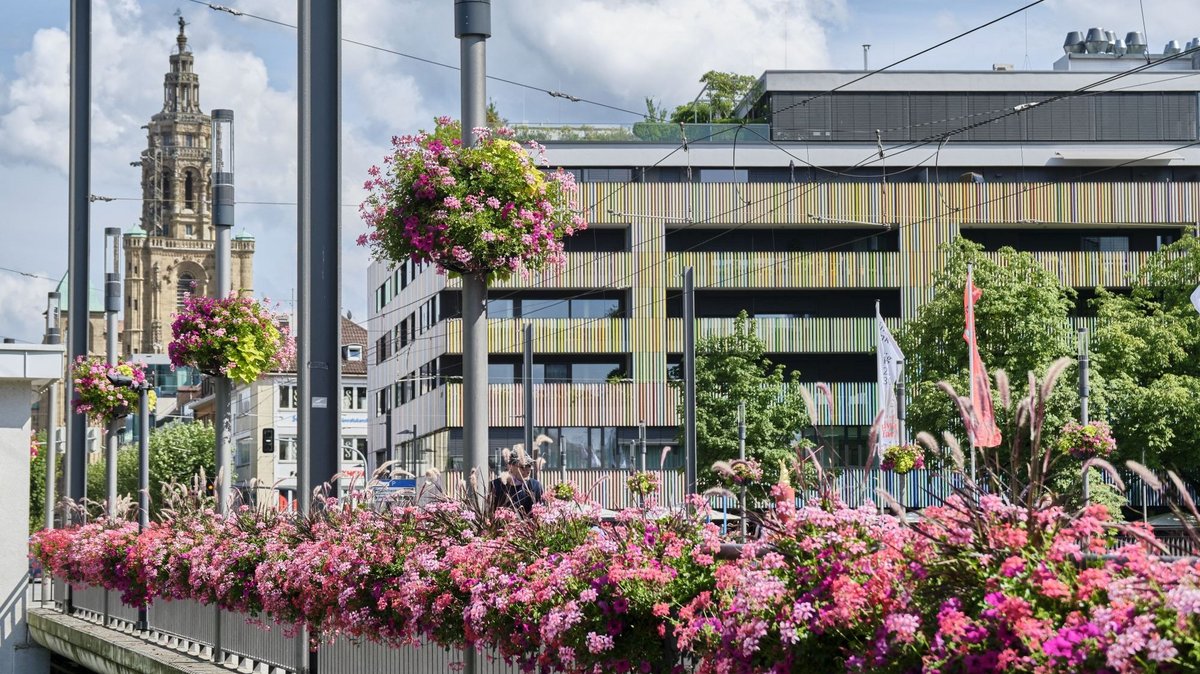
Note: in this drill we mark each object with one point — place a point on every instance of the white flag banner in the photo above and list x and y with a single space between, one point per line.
889 361
1196 298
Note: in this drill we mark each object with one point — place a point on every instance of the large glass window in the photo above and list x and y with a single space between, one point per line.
354 398
286 447
288 396
354 450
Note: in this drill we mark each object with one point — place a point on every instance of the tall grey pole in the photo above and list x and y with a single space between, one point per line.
1084 391
319 262
112 304
319 361
689 382
742 456
79 186
143 479
473 26
53 336
223 199
222 167
527 387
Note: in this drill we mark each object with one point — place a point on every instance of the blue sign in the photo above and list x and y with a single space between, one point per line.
402 484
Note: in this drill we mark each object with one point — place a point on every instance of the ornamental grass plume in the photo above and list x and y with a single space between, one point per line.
484 209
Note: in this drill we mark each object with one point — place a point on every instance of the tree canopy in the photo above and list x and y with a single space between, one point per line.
178 451
1022 321
1147 346
733 368
724 91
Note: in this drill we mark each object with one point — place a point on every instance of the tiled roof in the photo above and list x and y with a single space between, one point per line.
352 333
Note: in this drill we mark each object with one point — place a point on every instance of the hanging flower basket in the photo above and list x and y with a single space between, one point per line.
485 209
1087 441
235 337
642 483
98 398
902 459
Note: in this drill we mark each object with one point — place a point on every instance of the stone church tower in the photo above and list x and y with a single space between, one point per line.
173 251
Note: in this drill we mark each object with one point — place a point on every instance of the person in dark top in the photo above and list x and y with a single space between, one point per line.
517 489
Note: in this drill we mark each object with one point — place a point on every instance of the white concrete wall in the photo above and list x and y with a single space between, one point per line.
18 655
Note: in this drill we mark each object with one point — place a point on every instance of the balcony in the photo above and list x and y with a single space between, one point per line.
1091 268
555 335
792 335
626 403
787 270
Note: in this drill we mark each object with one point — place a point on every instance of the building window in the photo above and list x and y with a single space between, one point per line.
1105 244
186 285
189 191
288 396
244 449
382 402
354 398
354 450
286 447
353 353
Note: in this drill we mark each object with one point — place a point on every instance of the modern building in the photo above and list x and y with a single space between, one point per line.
264 423
172 252
834 194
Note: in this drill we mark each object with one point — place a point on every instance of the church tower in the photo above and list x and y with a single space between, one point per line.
173 251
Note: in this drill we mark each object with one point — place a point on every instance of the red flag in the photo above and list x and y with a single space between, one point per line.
983 430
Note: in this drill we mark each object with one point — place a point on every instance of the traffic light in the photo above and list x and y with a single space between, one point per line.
268 441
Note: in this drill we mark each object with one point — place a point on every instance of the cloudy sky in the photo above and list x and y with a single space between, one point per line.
613 51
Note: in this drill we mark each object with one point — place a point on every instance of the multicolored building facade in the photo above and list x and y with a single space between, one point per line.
829 203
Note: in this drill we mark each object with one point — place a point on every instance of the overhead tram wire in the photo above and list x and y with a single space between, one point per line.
870 158
907 58
421 59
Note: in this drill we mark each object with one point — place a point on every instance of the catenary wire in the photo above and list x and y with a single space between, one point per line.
421 59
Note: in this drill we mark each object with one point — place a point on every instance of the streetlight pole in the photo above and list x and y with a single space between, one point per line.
473 26
112 304
53 336
222 185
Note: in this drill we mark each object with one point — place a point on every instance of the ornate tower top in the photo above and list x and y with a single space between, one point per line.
181 87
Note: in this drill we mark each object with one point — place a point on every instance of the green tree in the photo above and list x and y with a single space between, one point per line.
655 112
1147 346
1023 325
37 483
733 368
724 91
494 120
178 451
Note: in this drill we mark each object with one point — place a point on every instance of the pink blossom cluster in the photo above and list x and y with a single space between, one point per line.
969 588
96 396
235 337
485 209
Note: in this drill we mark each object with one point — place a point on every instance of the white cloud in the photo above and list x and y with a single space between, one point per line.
22 301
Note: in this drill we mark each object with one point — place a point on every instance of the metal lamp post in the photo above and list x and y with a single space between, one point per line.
143 390
222 185
53 336
112 304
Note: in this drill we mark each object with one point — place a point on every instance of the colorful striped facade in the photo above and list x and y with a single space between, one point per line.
803 219
925 215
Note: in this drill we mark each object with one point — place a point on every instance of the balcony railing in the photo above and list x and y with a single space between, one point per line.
818 269
1089 268
625 403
